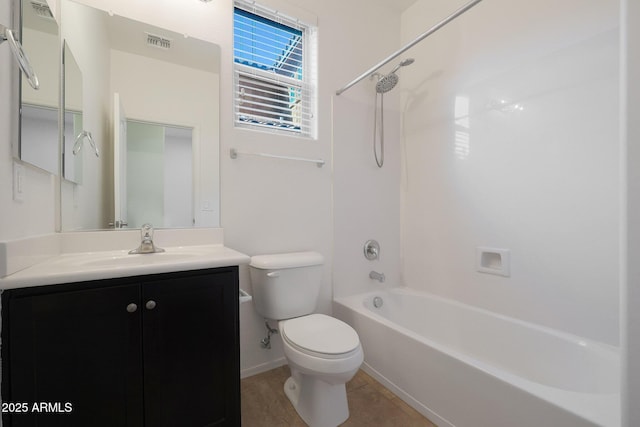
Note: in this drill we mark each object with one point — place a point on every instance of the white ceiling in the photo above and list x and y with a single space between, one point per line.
397 5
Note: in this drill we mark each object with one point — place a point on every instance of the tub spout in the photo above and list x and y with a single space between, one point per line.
377 276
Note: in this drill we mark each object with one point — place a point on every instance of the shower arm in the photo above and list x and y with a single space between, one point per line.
417 40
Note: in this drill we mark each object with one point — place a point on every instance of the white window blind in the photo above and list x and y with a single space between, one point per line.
274 83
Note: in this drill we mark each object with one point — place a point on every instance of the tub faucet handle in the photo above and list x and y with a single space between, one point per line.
371 250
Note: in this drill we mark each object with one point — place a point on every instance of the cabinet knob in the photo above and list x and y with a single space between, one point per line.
151 304
131 308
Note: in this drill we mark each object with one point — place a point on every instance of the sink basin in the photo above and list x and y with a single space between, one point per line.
91 261
139 259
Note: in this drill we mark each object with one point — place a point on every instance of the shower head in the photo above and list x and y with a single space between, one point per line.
402 63
388 82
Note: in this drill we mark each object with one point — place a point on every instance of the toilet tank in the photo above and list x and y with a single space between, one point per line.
286 285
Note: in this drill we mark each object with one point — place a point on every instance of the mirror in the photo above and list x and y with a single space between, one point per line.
39 135
168 85
153 172
72 152
160 172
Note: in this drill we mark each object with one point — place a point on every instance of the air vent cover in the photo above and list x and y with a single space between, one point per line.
42 10
160 42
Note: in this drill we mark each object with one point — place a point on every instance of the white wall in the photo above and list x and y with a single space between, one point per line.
630 231
542 182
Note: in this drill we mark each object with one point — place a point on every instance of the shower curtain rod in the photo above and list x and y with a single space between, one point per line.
418 39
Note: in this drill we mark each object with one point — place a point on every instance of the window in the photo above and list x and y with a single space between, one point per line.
274 83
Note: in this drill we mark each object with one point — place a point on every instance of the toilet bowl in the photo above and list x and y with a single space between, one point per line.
320 344
323 353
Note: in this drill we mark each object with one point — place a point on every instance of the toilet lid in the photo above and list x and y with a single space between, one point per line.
319 333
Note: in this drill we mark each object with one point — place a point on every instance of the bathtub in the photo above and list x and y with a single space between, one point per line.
467 367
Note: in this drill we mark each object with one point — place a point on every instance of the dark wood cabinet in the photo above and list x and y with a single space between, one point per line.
157 350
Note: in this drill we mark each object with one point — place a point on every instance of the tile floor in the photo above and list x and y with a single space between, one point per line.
264 403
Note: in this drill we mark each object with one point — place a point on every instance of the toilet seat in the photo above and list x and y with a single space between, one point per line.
321 336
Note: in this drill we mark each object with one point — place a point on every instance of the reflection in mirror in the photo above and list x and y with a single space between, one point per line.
160 174
39 137
162 77
73 128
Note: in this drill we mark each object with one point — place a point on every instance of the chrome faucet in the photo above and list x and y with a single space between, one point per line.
146 244
377 276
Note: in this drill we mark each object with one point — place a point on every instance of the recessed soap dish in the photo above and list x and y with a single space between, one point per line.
493 261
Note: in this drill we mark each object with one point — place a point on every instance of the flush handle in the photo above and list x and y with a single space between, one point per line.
273 274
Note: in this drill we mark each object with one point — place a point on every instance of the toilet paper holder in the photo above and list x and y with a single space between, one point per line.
244 296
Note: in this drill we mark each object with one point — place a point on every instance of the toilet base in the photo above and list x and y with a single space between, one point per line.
318 403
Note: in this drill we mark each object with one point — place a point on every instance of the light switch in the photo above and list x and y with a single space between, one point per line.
18 182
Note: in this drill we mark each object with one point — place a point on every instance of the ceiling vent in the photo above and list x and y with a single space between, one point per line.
42 10
158 41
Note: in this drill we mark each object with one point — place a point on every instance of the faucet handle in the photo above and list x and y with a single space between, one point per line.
146 244
371 250
146 232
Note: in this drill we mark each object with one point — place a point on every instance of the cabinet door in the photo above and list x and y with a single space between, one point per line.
191 356
77 346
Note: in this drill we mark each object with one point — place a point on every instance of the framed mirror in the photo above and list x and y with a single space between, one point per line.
167 87
38 140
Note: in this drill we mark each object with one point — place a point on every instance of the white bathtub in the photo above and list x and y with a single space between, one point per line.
466 367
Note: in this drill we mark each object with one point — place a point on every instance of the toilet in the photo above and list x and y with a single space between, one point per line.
323 353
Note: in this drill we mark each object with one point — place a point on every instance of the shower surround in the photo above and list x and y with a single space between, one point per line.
510 128
506 136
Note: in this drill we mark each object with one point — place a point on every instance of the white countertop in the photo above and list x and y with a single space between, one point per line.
84 266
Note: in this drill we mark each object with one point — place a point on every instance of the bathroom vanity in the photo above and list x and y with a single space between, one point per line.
157 350
151 340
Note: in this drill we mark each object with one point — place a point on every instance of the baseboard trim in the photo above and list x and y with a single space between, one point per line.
263 367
